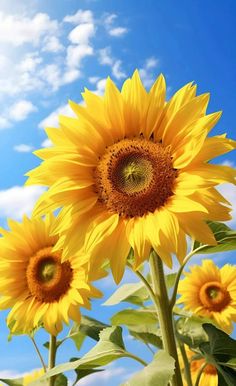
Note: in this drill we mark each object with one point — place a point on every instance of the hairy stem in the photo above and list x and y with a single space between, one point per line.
52 357
187 371
164 312
39 354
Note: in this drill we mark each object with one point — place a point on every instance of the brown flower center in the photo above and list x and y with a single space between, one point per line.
214 296
134 177
47 278
196 365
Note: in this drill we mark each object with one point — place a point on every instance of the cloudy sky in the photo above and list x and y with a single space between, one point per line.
50 50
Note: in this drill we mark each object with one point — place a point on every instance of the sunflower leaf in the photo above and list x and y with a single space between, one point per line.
158 372
225 237
13 382
82 373
134 317
220 349
190 331
109 348
134 293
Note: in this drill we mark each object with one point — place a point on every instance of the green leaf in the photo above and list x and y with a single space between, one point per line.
134 293
170 280
134 317
60 380
148 334
82 373
225 237
220 349
92 327
13 382
190 331
158 372
109 348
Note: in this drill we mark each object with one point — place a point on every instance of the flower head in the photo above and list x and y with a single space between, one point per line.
131 171
209 375
209 291
36 284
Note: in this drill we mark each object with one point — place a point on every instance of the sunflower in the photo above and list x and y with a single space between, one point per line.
34 282
210 292
131 171
209 375
32 377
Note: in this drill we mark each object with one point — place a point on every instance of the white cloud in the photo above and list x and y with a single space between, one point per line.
30 62
46 143
100 86
80 16
4 123
115 31
19 200
82 33
52 119
105 56
93 79
52 44
23 148
118 31
117 71
18 30
146 72
75 54
20 110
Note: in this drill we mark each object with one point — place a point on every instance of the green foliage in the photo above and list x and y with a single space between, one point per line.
219 351
82 373
190 330
109 348
225 237
158 372
134 317
134 293
146 333
13 382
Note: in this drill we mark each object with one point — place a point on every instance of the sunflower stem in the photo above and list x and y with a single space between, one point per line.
52 357
39 354
164 312
187 372
179 273
200 374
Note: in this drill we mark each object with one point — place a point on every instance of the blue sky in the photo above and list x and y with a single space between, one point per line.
50 51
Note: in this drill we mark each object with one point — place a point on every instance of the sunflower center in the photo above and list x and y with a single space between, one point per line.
47 278
134 177
214 296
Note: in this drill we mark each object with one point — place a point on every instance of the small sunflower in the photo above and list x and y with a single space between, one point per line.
131 171
32 377
209 375
35 283
209 291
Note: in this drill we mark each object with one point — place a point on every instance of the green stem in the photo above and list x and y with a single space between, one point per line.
39 354
52 357
140 360
145 282
179 273
187 371
164 312
200 374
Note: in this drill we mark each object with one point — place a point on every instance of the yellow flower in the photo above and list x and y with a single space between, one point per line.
35 283
131 170
209 291
209 375
33 376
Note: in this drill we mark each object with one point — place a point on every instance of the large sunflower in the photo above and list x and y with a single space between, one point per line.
35 283
210 292
209 375
132 171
